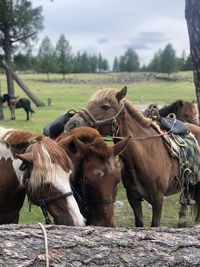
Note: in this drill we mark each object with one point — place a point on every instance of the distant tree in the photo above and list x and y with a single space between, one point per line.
93 63
154 64
19 24
63 56
188 63
23 61
180 62
116 65
129 61
192 15
46 57
168 60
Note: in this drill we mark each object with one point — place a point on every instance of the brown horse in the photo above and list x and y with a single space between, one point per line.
12 195
96 175
148 171
184 111
45 173
46 179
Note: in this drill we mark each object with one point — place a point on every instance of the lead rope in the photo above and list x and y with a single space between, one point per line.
45 243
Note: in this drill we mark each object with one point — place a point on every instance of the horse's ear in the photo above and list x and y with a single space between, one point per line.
121 145
122 93
28 157
81 147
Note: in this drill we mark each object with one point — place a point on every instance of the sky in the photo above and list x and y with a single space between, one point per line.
110 27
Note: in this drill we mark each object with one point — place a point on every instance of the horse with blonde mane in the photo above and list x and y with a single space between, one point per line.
40 168
149 171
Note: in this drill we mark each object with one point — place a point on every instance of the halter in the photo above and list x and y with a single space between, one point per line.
43 203
91 120
80 193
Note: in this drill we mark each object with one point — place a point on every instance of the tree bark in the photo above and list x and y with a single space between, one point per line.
1 106
7 50
24 245
192 15
27 91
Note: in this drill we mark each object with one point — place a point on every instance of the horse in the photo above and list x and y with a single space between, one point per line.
18 102
184 110
149 171
12 194
40 168
97 173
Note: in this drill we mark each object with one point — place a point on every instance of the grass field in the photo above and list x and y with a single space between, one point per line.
66 95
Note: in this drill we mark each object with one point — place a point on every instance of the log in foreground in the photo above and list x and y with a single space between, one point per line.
23 245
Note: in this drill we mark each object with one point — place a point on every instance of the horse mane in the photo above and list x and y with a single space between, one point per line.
90 136
171 108
48 158
137 114
105 94
16 137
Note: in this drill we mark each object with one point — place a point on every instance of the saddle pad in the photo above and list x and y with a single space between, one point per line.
173 125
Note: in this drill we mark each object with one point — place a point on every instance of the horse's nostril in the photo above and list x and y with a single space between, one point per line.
71 125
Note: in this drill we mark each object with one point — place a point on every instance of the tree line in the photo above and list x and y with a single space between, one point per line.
60 59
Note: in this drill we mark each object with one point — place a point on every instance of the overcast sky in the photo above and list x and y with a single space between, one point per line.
110 27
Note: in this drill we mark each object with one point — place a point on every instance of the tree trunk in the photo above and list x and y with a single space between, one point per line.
1 106
7 50
192 15
27 91
24 245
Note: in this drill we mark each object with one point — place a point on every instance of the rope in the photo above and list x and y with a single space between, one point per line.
46 244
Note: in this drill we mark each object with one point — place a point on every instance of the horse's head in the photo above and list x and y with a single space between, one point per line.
96 175
5 98
46 170
187 111
101 112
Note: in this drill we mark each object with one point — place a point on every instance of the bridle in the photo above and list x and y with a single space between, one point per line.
43 203
79 191
94 123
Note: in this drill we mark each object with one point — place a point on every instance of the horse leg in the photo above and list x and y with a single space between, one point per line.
27 115
136 205
157 204
12 111
182 216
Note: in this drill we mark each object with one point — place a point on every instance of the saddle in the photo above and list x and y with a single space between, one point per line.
55 128
14 100
171 124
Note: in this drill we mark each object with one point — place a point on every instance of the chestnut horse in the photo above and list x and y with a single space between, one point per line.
148 170
96 175
42 172
184 111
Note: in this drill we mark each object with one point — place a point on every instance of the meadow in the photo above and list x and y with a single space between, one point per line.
73 93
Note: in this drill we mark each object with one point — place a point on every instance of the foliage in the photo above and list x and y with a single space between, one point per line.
63 56
128 62
46 56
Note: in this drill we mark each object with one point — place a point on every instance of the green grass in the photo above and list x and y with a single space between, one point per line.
66 96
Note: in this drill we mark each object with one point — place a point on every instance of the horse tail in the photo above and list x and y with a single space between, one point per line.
196 207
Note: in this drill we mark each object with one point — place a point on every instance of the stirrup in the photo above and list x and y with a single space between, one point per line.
187 202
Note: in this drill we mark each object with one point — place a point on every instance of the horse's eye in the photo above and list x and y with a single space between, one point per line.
105 106
23 166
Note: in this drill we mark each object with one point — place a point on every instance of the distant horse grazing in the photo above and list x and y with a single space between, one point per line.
149 171
96 173
46 179
17 102
12 195
184 111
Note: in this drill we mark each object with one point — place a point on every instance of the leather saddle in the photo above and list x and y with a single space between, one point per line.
171 124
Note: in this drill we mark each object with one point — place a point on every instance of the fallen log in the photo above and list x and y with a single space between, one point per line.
24 245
